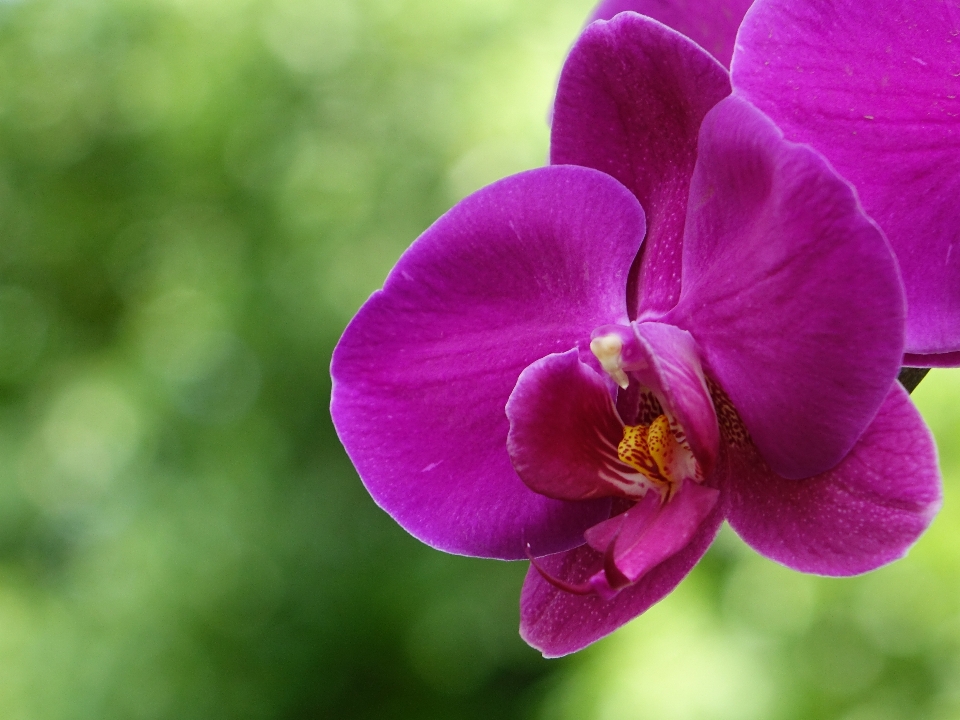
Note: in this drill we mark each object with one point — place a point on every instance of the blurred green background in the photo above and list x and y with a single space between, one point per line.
195 196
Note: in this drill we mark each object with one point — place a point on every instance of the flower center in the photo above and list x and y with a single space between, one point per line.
655 452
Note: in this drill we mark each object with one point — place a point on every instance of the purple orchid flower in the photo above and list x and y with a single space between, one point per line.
685 318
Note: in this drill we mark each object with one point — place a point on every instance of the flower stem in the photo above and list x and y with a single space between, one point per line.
910 377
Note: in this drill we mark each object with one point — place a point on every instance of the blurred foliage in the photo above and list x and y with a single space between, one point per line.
195 196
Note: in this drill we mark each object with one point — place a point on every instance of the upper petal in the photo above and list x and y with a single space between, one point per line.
790 291
523 268
864 513
875 86
630 100
712 24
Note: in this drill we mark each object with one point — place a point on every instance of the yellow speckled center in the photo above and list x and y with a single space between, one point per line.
654 452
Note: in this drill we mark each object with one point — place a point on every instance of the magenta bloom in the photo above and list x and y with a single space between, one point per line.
685 319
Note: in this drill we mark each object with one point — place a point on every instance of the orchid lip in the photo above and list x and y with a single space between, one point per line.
562 395
578 589
613 579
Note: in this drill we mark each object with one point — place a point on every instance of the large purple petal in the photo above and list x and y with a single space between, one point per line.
558 623
712 24
523 268
864 513
875 86
564 432
790 291
630 100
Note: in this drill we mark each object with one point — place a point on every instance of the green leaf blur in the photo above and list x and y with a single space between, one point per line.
195 197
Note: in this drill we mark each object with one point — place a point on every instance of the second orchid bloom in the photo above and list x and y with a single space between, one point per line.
685 319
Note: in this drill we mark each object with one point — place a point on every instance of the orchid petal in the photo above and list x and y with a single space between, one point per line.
630 100
712 24
558 623
864 513
523 268
875 86
790 290
564 432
